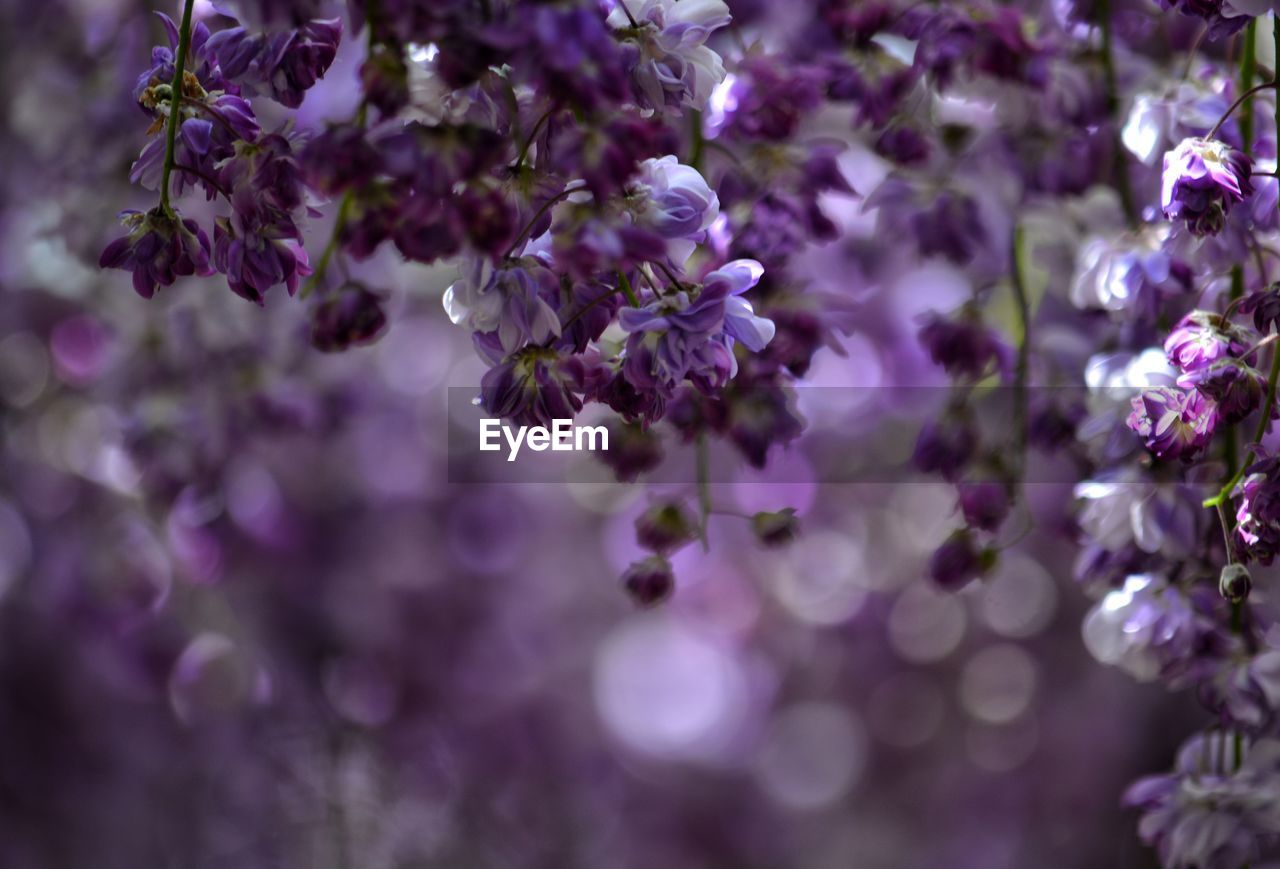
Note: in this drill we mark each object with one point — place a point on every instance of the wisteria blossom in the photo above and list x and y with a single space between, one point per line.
530 433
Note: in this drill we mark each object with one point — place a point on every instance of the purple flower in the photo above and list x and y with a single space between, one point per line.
158 250
284 65
944 447
1224 17
676 203
1235 387
666 526
964 347
1131 273
1264 305
985 505
1205 813
349 317
256 256
649 582
950 227
512 301
1258 516
671 66
533 386
1148 628
1203 338
1202 179
339 159
958 561
678 336
1174 423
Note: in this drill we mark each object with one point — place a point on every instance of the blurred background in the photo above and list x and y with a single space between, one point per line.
247 621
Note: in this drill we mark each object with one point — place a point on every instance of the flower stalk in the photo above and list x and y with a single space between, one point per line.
175 99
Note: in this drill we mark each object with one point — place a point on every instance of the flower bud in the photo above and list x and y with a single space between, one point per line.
352 316
665 526
1234 583
777 528
957 562
649 582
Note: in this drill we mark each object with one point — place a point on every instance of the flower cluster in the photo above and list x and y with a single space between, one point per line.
558 155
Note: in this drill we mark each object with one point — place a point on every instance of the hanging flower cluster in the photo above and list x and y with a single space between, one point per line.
635 198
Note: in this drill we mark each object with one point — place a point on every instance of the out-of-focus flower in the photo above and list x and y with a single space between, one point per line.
351 316
649 582
959 561
775 528
665 526
1205 813
1147 628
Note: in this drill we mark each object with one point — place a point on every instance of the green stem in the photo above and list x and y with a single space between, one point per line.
627 291
1119 168
1247 61
699 141
1263 424
339 224
175 101
546 206
1018 282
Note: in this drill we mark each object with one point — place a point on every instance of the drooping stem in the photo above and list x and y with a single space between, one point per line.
1241 100
546 206
175 101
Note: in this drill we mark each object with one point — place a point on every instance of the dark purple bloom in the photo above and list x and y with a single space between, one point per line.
257 256
649 582
1264 305
158 250
339 159
351 316
384 78
1174 423
1236 388
959 561
285 64
944 447
534 386
964 347
950 227
1202 180
666 526
985 505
